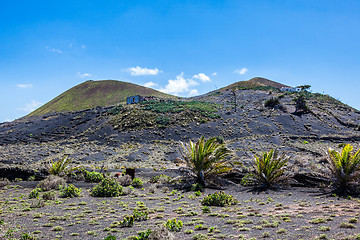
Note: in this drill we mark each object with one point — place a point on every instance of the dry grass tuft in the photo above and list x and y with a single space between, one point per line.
51 182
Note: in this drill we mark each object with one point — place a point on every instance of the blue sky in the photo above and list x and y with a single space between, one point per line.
180 47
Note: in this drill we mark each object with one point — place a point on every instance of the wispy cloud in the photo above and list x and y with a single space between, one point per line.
29 107
138 71
241 71
24 85
214 73
55 50
202 77
83 75
83 46
180 86
150 84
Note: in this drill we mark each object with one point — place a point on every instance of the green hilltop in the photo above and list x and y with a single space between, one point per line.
255 82
91 94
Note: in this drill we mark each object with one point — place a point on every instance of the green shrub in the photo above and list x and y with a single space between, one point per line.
34 193
137 183
107 188
93 177
70 191
162 178
269 169
174 225
206 209
27 236
140 215
49 195
300 104
272 102
205 159
142 235
344 168
128 221
110 238
220 199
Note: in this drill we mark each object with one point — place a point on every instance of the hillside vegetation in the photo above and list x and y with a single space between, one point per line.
91 94
255 82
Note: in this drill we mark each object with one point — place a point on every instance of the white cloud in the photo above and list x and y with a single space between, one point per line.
24 85
202 77
193 92
55 50
29 107
180 85
138 71
83 75
150 84
214 74
241 71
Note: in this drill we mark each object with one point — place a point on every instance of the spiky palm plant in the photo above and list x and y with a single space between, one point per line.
344 167
205 159
270 168
61 166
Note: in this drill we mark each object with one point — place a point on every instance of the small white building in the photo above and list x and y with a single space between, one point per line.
290 89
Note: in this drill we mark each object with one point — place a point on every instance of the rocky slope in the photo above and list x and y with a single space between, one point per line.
148 134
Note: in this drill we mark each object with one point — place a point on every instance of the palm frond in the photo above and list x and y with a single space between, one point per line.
205 158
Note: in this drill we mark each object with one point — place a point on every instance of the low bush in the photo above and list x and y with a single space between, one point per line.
137 183
51 182
140 215
142 235
220 199
174 225
49 195
4 182
161 232
271 102
162 178
125 180
34 193
110 237
128 221
93 176
107 188
70 191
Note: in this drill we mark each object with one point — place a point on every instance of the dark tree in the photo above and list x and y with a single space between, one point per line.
300 105
304 87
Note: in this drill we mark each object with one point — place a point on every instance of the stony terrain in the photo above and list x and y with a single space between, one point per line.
147 136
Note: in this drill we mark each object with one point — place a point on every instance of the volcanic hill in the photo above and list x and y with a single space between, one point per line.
92 94
80 122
